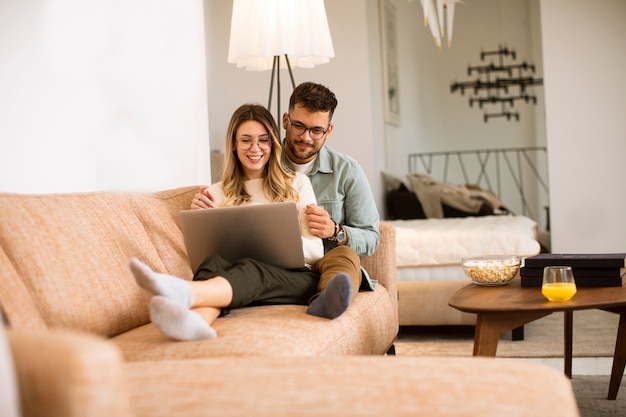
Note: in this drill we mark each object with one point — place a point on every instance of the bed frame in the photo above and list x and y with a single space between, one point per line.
517 176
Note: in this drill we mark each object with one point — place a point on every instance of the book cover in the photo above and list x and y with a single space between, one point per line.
578 272
595 260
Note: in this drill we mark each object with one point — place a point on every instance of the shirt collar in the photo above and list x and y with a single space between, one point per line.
323 161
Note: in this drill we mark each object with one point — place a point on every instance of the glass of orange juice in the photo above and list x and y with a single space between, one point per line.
558 283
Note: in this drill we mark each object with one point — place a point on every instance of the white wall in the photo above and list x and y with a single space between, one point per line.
584 61
102 95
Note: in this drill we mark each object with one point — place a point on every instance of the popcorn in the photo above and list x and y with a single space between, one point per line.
491 271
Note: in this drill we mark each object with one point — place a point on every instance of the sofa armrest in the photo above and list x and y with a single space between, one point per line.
381 265
68 374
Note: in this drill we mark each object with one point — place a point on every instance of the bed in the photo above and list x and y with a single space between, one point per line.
438 223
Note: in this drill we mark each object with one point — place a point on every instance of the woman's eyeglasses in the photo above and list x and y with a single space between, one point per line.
246 144
298 129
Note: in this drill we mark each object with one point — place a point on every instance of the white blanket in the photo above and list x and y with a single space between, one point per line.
445 241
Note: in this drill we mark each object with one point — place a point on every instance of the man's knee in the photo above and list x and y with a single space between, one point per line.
344 252
342 258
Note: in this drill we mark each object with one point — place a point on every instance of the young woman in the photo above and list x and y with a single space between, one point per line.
253 174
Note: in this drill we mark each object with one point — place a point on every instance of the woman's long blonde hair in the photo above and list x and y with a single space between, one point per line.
277 181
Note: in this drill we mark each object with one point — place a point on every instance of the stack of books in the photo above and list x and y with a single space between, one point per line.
590 270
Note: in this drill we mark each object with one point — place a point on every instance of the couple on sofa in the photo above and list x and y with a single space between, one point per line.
256 170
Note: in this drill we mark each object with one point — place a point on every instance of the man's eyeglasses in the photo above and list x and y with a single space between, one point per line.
246 144
298 129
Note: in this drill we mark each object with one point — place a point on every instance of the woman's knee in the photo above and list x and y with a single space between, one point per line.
211 266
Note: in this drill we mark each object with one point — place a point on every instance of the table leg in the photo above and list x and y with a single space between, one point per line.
619 359
490 325
568 331
517 333
486 335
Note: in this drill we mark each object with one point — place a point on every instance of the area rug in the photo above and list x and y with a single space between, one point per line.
594 334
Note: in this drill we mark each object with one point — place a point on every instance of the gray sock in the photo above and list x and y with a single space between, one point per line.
334 300
178 322
169 286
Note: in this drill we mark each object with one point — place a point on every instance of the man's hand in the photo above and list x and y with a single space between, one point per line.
320 223
203 199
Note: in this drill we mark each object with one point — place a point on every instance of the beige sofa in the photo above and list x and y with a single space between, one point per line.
64 264
81 343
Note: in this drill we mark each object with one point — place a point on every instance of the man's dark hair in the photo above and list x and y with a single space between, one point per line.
313 97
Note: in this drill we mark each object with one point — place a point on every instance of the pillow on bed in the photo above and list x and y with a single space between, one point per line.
433 195
403 204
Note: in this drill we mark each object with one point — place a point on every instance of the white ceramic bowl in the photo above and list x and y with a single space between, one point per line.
491 270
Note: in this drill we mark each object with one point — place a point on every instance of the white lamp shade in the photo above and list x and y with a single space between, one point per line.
262 29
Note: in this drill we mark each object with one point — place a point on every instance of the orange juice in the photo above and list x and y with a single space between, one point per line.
559 291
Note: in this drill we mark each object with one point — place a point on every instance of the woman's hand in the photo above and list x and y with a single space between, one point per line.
202 199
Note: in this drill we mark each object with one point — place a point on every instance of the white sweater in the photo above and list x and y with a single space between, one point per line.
312 246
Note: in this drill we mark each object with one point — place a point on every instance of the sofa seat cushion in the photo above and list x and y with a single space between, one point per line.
284 330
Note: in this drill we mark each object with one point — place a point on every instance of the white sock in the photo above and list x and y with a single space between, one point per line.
334 300
169 286
178 322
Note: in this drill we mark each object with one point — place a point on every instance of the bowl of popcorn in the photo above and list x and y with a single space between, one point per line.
491 270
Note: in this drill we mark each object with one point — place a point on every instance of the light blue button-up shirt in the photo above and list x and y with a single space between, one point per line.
342 189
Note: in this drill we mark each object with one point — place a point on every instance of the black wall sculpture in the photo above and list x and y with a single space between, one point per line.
500 84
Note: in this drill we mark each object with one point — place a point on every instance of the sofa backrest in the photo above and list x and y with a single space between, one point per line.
64 258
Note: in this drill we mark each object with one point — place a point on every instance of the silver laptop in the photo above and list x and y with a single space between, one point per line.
266 232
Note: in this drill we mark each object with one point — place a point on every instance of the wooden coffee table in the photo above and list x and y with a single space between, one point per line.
503 308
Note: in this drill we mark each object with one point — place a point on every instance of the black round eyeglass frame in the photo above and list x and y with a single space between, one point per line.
246 144
300 130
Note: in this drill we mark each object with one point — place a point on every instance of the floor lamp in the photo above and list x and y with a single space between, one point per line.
276 76
263 31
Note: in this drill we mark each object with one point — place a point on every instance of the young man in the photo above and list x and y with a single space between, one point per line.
346 216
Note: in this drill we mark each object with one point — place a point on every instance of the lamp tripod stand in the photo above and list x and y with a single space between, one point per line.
276 74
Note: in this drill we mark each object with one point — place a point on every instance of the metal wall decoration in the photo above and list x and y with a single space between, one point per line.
500 84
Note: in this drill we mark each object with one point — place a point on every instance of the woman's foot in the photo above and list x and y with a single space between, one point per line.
178 322
169 286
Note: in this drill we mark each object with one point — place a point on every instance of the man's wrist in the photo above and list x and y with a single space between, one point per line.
333 238
339 235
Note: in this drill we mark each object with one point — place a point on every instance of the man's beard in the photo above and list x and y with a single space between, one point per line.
307 154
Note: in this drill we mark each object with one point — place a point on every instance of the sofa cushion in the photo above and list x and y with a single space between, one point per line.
291 330
71 252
